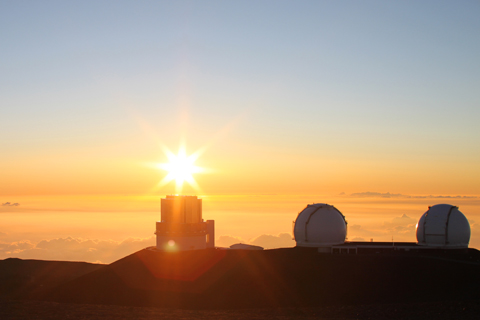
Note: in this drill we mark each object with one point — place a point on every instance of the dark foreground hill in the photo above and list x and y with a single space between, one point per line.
290 277
293 283
24 279
33 310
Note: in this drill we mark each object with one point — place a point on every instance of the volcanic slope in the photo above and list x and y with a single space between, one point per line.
289 277
32 279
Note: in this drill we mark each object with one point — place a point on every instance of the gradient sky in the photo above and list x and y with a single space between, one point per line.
290 103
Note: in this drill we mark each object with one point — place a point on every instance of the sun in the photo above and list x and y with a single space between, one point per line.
180 168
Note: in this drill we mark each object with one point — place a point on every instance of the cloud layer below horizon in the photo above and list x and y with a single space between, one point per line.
369 194
107 251
400 228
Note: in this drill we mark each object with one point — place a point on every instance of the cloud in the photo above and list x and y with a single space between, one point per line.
356 231
9 204
227 241
358 239
15 247
404 220
401 226
369 194
266 241
269 241
474 225
75 249
107 251
445 197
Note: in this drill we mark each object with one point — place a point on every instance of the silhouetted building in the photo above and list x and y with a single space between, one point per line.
322 226
182 227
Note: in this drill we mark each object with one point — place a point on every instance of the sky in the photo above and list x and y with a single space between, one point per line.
370 106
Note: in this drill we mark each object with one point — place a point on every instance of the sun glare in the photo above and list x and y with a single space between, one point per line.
180 168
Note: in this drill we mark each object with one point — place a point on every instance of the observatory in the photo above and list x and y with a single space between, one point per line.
322 226
443 225
182 227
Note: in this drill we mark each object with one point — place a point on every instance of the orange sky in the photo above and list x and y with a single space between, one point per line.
238 218
110 193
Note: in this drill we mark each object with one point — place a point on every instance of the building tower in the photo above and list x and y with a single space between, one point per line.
182 227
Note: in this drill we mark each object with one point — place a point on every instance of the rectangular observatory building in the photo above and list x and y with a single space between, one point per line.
182 226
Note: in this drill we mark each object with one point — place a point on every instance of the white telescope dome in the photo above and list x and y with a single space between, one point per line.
320 225
443 225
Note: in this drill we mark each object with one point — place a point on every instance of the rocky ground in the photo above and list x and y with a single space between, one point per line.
16 309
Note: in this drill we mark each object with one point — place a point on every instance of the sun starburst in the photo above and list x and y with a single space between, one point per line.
180 168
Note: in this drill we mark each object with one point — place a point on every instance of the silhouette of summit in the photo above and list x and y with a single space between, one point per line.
296 277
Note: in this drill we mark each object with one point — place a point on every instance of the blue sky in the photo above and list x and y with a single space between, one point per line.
383 79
